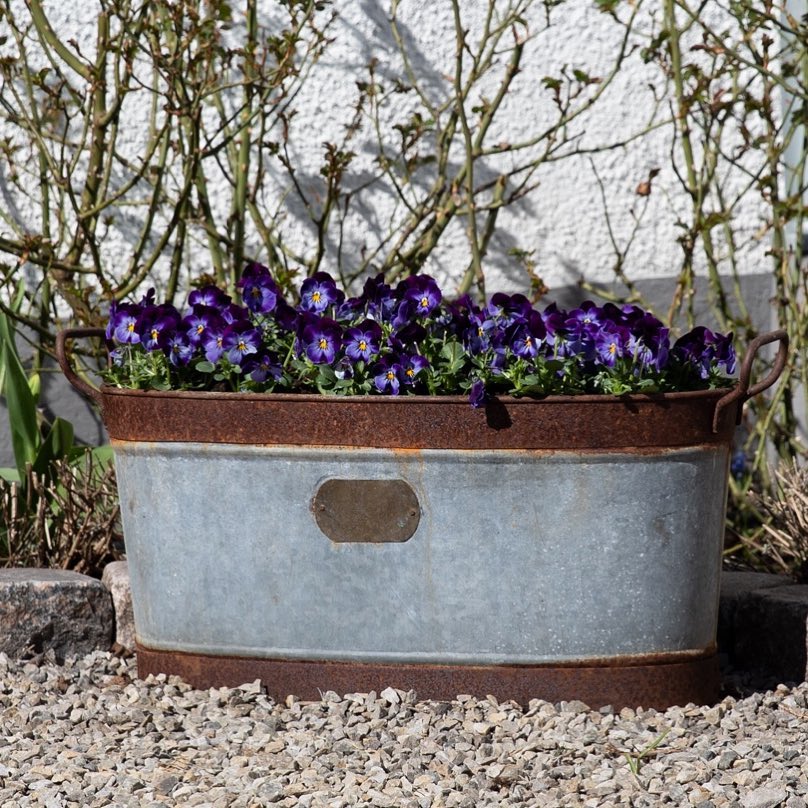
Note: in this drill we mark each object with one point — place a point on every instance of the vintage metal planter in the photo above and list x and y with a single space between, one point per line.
561 548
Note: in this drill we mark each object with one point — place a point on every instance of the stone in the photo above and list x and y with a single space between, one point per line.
764 797
116 579
770 632
60 611
737 587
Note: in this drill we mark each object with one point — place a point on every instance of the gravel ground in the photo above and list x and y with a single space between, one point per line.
89 733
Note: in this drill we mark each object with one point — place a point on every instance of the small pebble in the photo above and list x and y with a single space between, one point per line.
90 733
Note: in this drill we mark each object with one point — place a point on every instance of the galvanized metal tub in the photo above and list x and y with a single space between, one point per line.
568 547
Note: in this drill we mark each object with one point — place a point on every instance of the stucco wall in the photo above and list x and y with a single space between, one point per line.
563 222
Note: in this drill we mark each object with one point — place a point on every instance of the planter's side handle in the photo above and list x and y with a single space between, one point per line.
742 391
64 362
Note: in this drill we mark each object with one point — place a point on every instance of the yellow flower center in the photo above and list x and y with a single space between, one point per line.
315 297
154 333
323 343
363 346
130 328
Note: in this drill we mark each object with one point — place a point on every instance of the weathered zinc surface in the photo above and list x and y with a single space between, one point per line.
513 557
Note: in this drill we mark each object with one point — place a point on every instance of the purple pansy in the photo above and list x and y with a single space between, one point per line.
321 339
156 325
259 291
178 349
239 340
123 323
362 342
210 296
319 292
262 367
200 323
411 366
387 376
526 337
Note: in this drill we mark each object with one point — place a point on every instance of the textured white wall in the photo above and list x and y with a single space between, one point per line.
562 221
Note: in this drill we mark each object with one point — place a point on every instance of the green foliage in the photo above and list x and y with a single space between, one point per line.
41 520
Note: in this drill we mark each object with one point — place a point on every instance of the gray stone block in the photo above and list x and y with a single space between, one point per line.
43 609
763 624
770 631
736 587
116 579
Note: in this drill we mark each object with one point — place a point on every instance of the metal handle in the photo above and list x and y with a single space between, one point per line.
742 391
64 363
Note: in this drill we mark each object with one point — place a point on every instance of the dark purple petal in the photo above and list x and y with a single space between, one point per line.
319 292
201 322
239 340
321 339
179 350
362 342
210 296
478 395
387 376
411 367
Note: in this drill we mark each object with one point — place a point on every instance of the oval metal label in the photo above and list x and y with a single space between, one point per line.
374 511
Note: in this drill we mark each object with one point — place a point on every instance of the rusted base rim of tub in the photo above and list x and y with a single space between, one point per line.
629 422
658 685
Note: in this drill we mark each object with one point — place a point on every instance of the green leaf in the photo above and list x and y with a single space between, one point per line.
57 445
22 415
35 385
103 455
10 475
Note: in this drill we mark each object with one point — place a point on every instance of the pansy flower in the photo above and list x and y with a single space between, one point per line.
178 349
200 323
362 342
387 376
321 339
411 367
239 340
610 343
262 367
525 338
509 309
259 292
422 292
379 299
319 292
123 323
210 296
156 325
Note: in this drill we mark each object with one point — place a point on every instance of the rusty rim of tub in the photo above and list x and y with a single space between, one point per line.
585 422
673 679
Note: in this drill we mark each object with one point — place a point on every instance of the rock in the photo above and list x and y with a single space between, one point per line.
116 579
764 797
737 587
771 632
53 610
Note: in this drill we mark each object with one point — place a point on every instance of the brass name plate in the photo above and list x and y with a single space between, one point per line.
375 511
